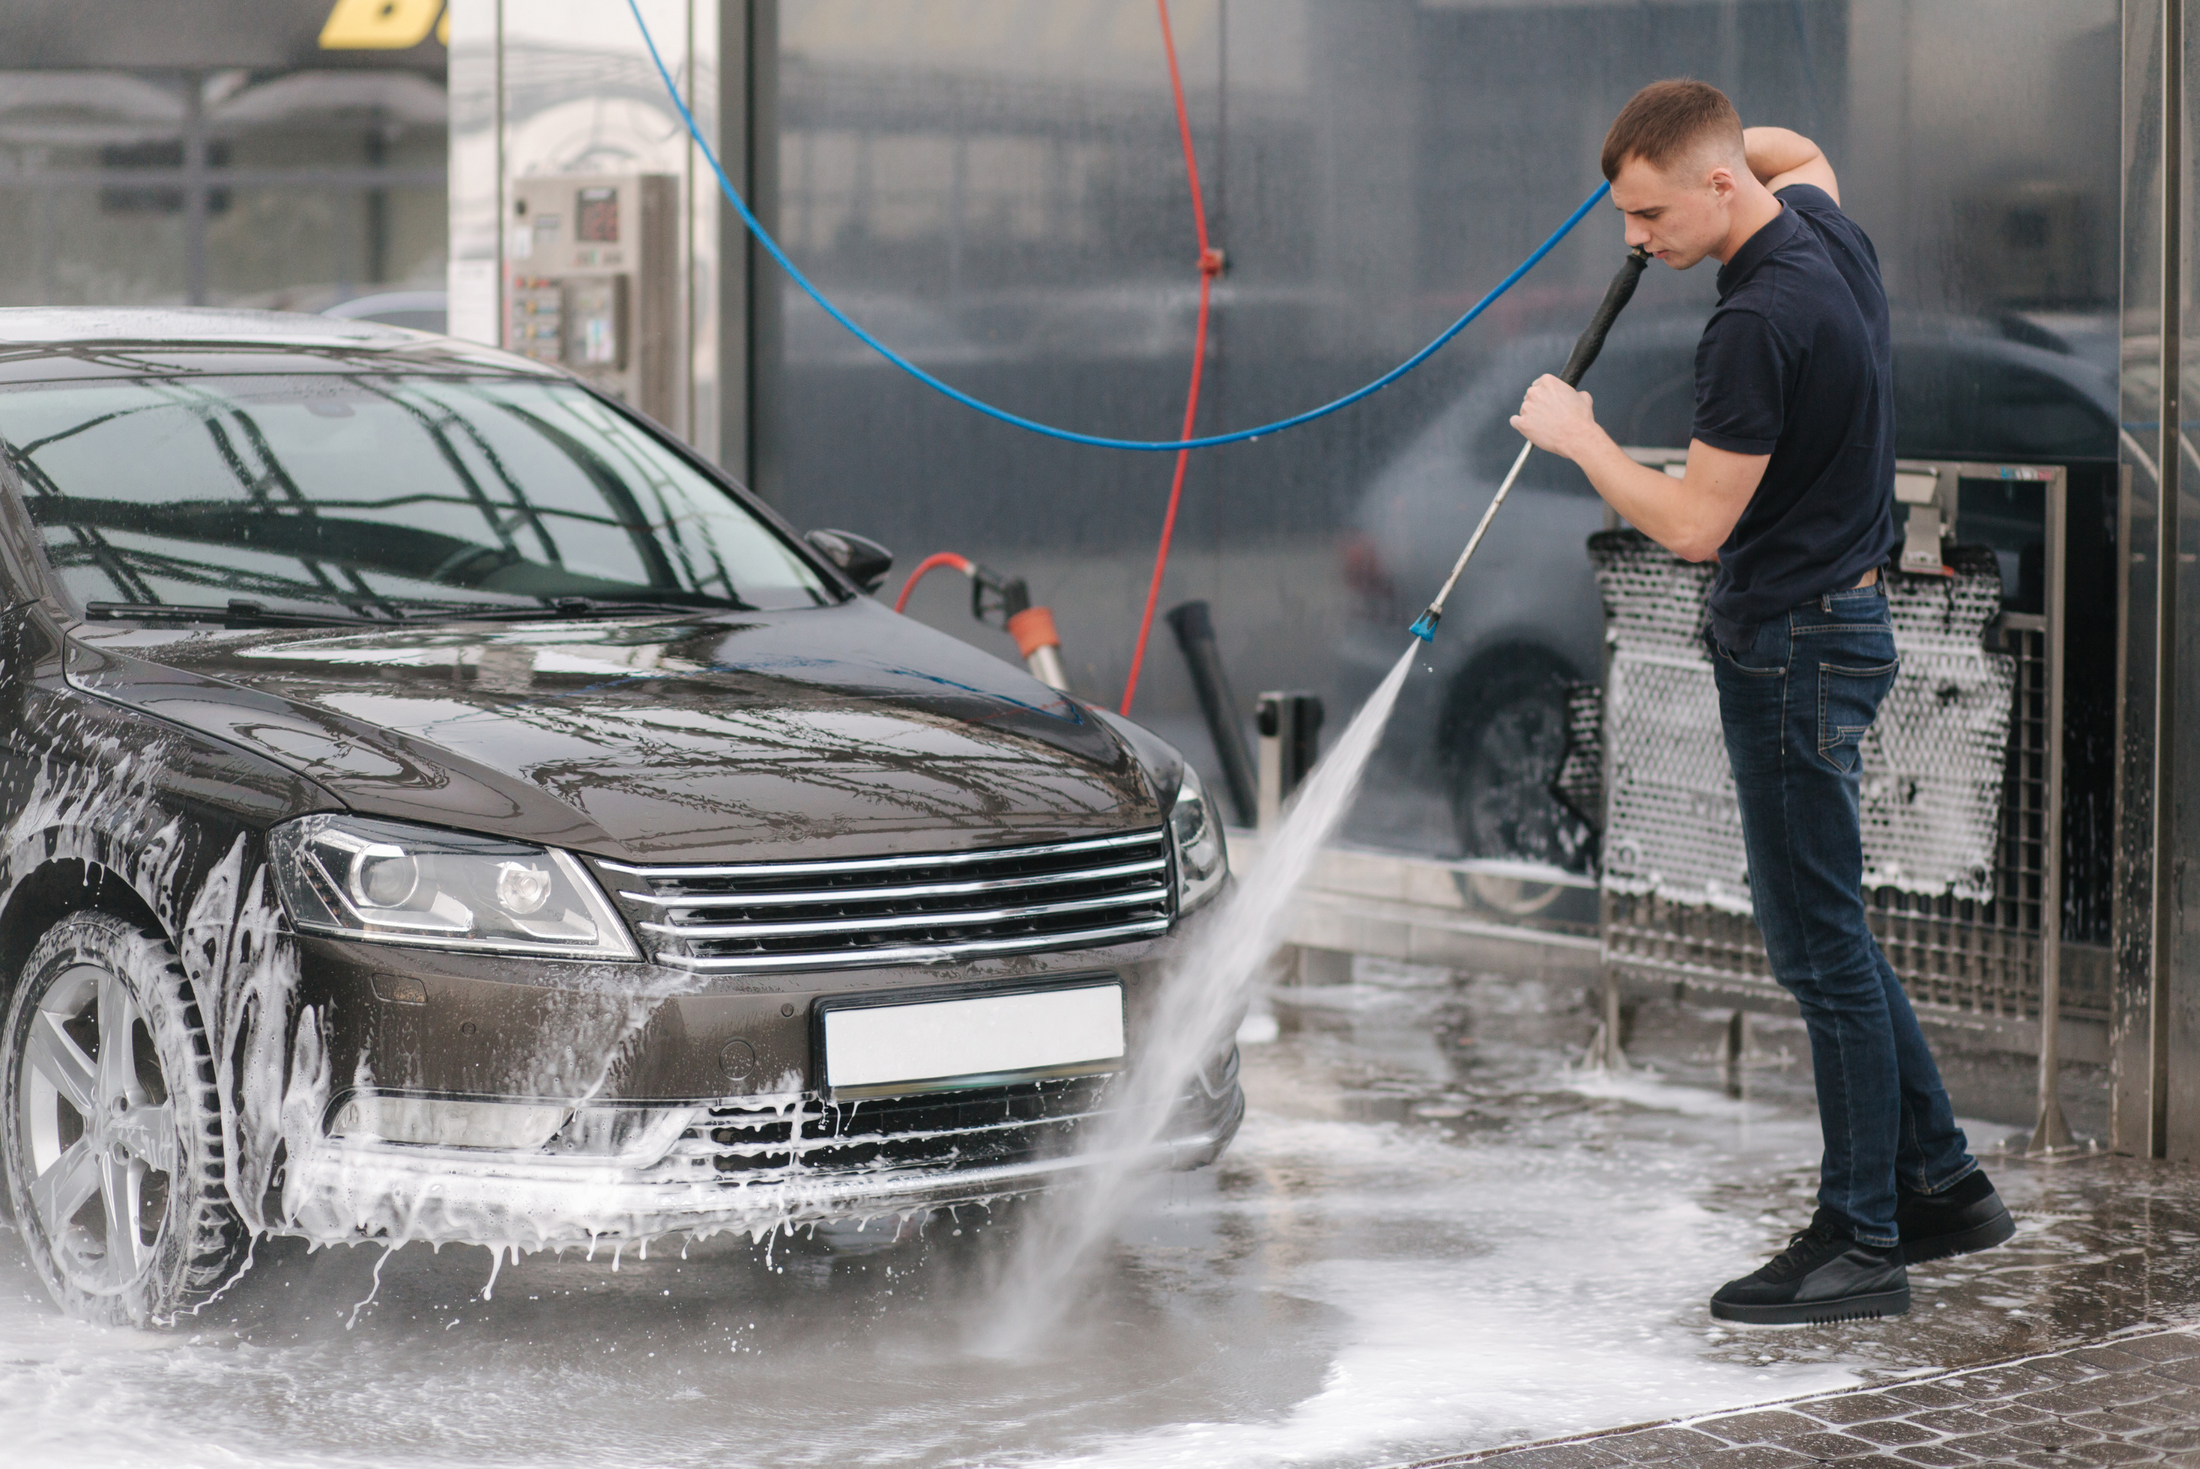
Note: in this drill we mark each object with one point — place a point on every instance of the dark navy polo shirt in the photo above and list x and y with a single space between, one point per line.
1796 363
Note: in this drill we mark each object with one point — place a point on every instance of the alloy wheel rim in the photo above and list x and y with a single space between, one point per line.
98 1123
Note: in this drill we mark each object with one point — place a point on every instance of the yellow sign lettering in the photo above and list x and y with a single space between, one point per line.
379 25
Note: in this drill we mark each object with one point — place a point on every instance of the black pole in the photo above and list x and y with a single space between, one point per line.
1195 634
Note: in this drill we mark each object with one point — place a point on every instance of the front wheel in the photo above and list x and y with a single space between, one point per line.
112 1129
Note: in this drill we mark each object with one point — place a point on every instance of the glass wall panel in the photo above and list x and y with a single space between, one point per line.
2134 1120
555 88
2175 1025
996 187
225 157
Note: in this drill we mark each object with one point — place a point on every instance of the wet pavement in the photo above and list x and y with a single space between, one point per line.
1433 1237
2133 1399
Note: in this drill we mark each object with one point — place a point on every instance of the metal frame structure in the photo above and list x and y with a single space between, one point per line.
1980 964
2154 1028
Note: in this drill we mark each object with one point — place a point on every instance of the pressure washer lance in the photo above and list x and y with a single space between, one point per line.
1616 297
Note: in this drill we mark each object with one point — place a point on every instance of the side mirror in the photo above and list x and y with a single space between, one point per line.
861 559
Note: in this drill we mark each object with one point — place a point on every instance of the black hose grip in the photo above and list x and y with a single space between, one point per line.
1616 297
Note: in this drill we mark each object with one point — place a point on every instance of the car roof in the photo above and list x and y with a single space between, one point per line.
43 342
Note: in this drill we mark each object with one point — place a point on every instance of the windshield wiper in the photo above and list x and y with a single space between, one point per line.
557 608
239 612
244 612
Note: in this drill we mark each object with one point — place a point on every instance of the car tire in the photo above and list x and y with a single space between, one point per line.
1508 734
112 1130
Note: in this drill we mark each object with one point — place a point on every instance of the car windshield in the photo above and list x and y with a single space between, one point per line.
378 495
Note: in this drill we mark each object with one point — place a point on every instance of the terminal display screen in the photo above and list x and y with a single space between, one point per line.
2008 516
596 217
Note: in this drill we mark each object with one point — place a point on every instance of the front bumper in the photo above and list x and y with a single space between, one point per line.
431 1023
748 1166
695 1103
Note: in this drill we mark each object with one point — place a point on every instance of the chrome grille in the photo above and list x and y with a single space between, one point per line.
900 910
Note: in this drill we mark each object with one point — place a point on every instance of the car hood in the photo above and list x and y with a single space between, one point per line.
753 736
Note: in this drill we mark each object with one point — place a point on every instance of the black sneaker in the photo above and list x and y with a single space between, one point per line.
1823 1275
1965 1217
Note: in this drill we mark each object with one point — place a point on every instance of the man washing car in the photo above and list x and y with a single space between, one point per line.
1790 487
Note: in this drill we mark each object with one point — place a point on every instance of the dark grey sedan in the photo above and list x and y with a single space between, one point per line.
434 805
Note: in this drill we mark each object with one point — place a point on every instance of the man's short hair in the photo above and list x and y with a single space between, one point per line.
1666 121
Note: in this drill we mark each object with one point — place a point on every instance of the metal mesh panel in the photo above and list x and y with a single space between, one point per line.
1954 793
1933 762
1579 784
1671 825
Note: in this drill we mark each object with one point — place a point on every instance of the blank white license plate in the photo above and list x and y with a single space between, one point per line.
923 1047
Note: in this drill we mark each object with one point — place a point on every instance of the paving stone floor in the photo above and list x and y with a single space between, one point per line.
2131 1399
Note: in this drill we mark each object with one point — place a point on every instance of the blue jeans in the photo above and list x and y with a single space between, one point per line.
1795 705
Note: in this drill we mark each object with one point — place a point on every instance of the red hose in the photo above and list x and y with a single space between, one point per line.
1210 266
930 563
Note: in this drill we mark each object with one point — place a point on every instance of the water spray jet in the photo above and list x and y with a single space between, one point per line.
1199 1008
1232 946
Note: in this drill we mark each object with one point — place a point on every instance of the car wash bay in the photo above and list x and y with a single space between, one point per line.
1003 198
1413 1247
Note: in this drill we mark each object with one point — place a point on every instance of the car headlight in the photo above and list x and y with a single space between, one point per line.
1202 861
395 883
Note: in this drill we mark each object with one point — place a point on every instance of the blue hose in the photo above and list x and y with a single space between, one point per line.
1097 441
